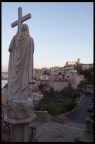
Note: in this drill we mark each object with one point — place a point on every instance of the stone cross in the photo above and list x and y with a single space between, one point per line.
20 19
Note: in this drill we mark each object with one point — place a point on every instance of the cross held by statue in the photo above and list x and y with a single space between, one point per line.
20 20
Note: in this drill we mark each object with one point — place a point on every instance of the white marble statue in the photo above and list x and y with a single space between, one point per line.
20 69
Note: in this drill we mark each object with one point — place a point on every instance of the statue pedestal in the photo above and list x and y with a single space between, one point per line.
19 116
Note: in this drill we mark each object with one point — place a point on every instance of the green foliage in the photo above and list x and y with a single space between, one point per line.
88 74
61 101
41 87
51 93
53 107
57 102
82 84
69 104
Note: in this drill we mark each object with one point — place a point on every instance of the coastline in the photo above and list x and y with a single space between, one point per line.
4 83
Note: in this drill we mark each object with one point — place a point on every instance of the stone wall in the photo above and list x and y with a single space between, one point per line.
59 85
57 119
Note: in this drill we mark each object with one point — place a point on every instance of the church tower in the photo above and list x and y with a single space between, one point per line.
78 60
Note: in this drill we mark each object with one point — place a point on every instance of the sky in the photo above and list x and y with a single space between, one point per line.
62 31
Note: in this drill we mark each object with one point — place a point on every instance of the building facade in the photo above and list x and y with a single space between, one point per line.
87 66
75 80
60 84
73 62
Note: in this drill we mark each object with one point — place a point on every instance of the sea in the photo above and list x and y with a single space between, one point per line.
4 82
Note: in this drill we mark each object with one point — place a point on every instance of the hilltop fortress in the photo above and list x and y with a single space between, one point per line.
73 62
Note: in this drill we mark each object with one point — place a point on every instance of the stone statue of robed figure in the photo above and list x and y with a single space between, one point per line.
20 110
20 70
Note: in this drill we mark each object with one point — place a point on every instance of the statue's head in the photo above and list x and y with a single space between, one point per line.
24 30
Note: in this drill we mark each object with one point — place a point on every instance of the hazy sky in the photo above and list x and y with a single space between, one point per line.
62 31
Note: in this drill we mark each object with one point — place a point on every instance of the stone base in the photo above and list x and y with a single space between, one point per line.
16 121
20 110
20 128
20 133
19 114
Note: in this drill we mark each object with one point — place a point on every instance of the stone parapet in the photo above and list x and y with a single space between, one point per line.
41 116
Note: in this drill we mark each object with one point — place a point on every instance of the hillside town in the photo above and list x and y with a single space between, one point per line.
56 77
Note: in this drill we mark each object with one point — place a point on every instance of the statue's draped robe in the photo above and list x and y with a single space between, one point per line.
20 70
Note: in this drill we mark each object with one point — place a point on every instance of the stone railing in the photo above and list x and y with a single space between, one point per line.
57 119
41 116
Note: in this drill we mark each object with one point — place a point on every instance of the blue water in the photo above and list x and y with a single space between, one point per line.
4 82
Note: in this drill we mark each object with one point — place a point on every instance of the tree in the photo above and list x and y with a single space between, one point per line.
41 86
51 92
88 74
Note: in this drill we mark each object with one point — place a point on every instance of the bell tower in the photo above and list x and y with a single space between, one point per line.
78 60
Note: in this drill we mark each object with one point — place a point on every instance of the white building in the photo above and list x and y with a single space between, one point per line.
87 66
75 80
